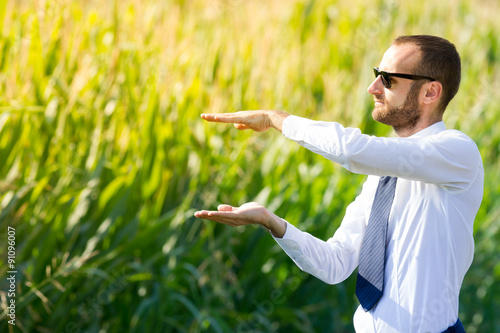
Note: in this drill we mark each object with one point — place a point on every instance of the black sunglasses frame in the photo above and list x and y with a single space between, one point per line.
386 77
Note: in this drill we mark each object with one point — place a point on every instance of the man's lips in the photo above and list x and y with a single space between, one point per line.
378 102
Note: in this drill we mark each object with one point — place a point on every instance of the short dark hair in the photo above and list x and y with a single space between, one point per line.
439 60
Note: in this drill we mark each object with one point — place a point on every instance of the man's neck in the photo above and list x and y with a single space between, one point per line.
428 117
409 131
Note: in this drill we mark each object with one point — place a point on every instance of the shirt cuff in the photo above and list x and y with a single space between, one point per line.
292 243
291 240
294 127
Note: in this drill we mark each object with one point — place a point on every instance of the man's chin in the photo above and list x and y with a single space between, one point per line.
378 116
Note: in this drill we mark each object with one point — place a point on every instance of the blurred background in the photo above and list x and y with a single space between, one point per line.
104 158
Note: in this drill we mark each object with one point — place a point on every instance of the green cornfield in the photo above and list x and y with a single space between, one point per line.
104 157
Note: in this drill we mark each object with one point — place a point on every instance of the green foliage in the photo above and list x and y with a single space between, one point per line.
104 159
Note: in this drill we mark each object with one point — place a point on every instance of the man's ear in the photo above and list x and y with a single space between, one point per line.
431 92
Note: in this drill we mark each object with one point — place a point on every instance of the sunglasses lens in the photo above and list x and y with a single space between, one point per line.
386 79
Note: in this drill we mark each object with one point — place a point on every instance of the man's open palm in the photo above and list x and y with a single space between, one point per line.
249 213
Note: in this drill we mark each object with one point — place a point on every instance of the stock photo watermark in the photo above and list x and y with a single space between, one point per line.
415 160
440 303
377 24
11 275
265 308
92 308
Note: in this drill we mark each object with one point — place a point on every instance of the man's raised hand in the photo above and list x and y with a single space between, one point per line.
259 120
249 213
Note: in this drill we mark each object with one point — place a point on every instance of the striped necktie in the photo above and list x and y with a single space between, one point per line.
370 282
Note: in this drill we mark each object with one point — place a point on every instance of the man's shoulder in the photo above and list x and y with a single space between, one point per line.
452 134
456 140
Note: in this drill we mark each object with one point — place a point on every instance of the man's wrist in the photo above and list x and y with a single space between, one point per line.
276 119
276 226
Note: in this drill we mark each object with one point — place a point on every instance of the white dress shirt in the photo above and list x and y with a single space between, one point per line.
429 238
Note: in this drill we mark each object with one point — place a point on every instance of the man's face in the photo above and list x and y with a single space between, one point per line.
398 106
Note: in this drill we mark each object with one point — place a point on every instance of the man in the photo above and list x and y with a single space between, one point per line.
410 228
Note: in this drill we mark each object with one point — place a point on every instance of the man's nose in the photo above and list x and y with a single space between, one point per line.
376 88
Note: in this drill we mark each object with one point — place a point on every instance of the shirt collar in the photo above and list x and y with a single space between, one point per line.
433 129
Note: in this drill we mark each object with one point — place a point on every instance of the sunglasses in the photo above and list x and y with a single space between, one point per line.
387 81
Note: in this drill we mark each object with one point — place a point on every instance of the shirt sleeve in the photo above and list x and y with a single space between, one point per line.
448 158
332 261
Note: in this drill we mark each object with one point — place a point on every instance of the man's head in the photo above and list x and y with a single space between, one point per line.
440 60
416 101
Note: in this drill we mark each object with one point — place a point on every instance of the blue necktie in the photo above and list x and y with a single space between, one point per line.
370 282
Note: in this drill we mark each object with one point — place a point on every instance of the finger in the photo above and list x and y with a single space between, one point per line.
220 219
201 213
229 218
215 117
225 208
241 127
213 214
225 214
226 217
224 117
231 222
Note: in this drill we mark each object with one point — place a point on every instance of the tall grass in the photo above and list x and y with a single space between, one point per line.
104 159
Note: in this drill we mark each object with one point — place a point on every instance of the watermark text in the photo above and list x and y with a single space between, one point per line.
11 275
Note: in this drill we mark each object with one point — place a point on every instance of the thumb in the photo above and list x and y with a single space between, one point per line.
224 208
241 126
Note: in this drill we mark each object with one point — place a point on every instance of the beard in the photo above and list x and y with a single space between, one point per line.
403 117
